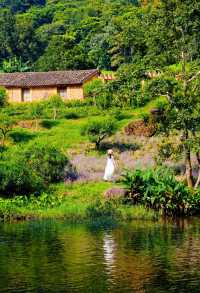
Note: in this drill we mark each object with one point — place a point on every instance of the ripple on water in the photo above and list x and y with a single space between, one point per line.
53 256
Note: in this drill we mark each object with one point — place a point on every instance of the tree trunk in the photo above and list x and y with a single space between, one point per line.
188 166
198 178
98 144
198 181
3 140
54 113
36 124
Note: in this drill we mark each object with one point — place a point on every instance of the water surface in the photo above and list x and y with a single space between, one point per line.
54 256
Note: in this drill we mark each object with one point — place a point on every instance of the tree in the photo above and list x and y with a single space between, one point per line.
6 126
55 102
8 34
14 65
36 110
98 129
182 112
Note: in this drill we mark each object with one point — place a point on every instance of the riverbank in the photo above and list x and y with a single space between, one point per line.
77 202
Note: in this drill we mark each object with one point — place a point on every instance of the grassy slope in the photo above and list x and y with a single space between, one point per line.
74 207
67 136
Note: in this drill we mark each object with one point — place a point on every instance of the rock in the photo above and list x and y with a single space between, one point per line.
115 192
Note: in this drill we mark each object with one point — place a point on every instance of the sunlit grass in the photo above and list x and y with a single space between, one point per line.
77 199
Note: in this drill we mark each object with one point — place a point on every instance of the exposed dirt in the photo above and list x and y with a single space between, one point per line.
140 128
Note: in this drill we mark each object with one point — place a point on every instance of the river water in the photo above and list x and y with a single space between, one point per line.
54 256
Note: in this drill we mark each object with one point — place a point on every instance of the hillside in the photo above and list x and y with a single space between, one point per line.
51 35
151 50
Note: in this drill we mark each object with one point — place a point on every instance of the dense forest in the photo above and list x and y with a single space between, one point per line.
78 34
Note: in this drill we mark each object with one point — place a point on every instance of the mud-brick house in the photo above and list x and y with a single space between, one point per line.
35 86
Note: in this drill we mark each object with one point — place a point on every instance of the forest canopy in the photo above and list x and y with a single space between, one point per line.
79 34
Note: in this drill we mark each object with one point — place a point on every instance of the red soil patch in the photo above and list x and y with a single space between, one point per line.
140 128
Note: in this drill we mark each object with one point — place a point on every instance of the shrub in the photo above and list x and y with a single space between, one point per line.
46 160
47 123
16 177
72 115
119 115
6 126
98 129
159 189
32 169
35 112
55 102
146 118
93 89
102 209
9 207
21 135
3 97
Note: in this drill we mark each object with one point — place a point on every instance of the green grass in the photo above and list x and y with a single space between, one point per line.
66 135
77 199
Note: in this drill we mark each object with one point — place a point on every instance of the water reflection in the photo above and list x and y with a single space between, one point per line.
53 256
109 250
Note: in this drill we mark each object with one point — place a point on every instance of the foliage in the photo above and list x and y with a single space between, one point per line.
9 207
3 97
46 160
158 189
31 169
14 65
72 114
181 113
104 209
16 177
98 129
36 111
6 125
93 89
48 124
55 102
55 35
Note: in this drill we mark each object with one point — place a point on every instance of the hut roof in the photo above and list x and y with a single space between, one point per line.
50 78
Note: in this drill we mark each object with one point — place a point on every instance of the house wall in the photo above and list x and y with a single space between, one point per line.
42 93
14 94
75 93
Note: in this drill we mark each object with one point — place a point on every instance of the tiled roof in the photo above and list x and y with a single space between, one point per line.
51 78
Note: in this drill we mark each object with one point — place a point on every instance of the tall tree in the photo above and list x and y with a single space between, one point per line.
8 34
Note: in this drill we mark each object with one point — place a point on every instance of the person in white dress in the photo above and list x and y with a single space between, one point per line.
110 166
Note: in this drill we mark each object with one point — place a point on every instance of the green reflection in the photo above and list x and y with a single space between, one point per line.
53 256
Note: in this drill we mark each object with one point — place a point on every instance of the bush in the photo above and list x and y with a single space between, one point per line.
46 161
159 189
9 207
55 103
93 90
31 170
16 177
3 97
98 129
119 115
100 209
35 112
48 124
72 115
6 125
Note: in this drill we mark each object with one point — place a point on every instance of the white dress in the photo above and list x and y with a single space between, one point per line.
110 169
